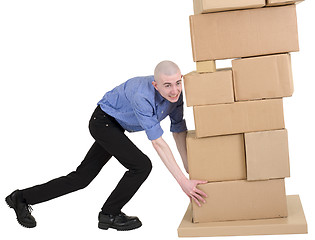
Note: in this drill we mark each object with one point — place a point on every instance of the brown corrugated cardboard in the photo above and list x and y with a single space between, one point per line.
241 200
238 117
206 66
267 154
262 77
244 33
281 2
218 158
295 223
205 6
209 88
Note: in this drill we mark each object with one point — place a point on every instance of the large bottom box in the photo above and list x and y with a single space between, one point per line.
241 200
295 223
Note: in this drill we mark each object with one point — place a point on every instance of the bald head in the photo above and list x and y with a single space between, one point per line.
168 80
167 68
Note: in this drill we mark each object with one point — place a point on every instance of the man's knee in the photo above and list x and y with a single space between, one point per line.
144 167
78 181
148 166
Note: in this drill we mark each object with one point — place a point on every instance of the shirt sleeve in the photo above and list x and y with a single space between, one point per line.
178 123
147 118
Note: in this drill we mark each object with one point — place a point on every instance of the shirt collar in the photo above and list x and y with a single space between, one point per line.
158 98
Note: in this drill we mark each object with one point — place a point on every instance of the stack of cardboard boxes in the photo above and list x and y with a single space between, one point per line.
240 144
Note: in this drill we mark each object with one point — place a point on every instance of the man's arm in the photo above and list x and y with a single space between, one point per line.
180 139
188 186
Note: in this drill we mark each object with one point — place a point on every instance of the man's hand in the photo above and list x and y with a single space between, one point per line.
190 188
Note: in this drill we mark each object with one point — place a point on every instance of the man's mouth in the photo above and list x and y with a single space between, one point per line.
173 96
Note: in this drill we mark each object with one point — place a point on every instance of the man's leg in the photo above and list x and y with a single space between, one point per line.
19 200
109 134
139 167
78 179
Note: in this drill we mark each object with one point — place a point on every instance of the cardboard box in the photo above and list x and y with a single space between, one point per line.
282 2
241 200
218 158
206 6
238 117
206 66
262 77
267 154
244 33
295 223
209 88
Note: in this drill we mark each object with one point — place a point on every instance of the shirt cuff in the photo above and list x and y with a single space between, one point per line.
154 132
179 127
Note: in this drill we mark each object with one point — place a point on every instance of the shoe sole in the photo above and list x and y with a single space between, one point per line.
10 203
105 226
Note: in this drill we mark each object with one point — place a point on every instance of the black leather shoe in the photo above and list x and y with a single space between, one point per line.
21 208
120 222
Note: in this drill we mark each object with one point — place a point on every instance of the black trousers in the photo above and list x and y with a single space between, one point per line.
110 140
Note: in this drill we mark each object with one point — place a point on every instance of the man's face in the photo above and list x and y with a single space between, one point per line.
170 87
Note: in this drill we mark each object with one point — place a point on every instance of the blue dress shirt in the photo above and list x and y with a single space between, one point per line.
137 106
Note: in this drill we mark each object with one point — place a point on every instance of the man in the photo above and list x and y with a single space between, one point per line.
138 104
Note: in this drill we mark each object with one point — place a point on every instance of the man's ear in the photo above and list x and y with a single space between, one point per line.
154 84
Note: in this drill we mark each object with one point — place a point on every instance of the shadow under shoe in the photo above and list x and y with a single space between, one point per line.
21 208
120 222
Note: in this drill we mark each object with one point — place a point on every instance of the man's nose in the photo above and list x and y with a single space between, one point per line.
174 89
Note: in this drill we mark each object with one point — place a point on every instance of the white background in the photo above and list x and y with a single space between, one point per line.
58 58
